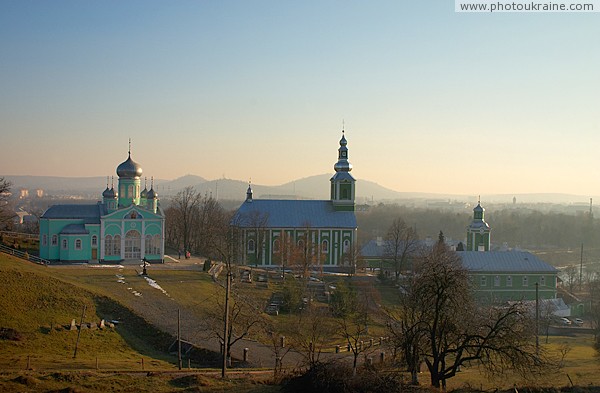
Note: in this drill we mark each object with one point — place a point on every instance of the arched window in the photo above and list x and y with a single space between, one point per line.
152 245
325 246
130 192
65 244
543 280
45 240
301 244
133 245
117 245
94 241
346 245
483 281
78 244
276 245
509 281
156 245
525 281
108 245
54 240
148 244
497 281
251 247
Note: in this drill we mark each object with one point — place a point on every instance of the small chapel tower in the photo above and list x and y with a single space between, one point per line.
110 197
478 233
342 183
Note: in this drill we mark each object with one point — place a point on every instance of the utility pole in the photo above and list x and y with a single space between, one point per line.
179 337
537 318
226 327
79 333
581 267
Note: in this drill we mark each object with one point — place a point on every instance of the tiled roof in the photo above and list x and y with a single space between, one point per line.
504 261
90 214
74 229
292 214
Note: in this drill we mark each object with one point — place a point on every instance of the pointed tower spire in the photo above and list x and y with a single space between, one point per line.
249 192
129 151
342 183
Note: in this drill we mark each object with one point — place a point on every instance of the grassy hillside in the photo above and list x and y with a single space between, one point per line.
36 311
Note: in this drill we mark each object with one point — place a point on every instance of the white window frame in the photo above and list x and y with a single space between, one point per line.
78 244
525 281
483 281
496 281
94 241
509 281
64 244
54 240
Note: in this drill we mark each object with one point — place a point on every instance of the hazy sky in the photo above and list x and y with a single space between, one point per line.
432 100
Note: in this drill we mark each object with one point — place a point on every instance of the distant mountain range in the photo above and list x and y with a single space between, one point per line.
313 187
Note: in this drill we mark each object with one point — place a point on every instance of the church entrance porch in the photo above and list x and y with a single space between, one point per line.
133 245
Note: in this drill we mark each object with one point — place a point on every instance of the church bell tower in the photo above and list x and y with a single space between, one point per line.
342 183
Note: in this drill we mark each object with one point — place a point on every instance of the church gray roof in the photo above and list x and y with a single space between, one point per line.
292 214
90 214
74 229
504 261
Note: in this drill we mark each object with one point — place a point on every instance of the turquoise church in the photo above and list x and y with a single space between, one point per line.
127 224
271 230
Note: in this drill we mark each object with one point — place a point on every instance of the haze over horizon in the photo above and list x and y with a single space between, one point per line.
432 100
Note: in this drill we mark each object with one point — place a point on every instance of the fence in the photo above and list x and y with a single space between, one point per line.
20 235
23 255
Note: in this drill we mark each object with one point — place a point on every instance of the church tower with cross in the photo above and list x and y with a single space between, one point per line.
478 232
342 183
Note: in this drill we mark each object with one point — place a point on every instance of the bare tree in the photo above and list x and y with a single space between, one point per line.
6 213
283 250
401 244
245 318
449 329
256 224
353 260
304 251
223 243
210 217
182 218
311 332
572 272
353 326
547 309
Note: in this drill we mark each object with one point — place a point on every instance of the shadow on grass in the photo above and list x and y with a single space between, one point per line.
147 339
